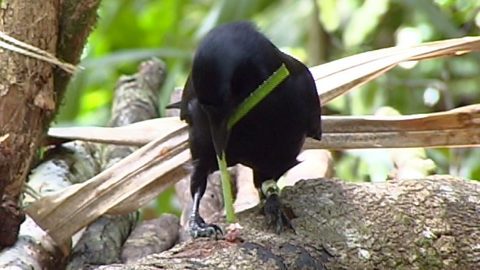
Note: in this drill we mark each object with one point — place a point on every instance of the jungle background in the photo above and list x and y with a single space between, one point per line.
314 31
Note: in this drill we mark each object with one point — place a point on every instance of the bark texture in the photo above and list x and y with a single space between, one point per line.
150 237
26 100
30 89
429 223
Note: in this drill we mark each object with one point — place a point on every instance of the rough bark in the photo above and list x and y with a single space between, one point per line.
102 241
429 223
30 89
77 19
26 99
150 237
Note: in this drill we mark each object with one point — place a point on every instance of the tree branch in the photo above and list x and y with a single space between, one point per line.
429 223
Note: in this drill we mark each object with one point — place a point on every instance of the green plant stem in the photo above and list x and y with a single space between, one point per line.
249 103
226 188
258 95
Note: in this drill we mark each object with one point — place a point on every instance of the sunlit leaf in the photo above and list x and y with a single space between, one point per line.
364 21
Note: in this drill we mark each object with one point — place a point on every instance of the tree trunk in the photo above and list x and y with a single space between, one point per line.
430 223
27 98
31 89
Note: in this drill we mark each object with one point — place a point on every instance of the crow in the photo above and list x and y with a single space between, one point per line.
230 62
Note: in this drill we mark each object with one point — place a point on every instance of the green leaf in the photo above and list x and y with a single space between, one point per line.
364 21
329 10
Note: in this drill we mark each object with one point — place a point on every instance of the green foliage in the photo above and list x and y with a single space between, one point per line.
133 30
358 28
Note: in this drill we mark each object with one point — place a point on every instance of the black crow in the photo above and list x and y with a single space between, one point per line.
229 64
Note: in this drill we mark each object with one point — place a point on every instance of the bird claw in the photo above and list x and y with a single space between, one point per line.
274 214
198 228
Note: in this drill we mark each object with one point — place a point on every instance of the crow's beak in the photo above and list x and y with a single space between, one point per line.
218 127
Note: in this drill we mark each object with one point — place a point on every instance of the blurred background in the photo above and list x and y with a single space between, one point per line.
314 31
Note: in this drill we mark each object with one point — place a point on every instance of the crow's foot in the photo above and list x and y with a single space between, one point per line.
198 228
275 215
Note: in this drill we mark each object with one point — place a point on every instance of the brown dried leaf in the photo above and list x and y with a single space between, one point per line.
335 78
454 128
122 188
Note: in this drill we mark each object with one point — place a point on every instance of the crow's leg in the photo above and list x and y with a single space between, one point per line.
196 224
272 208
